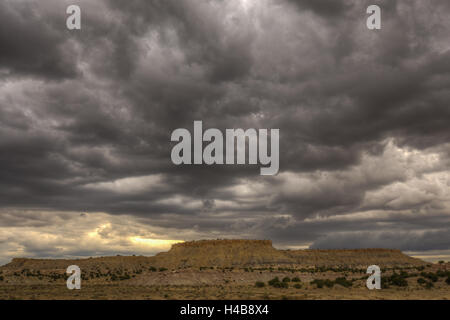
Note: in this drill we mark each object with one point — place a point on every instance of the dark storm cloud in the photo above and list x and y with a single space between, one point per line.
344 98
429 240
30 44
326 8
200 32
393 230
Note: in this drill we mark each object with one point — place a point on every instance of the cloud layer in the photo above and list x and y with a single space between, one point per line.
86 118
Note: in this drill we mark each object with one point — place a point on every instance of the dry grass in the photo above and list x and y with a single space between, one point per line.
220 284
229 269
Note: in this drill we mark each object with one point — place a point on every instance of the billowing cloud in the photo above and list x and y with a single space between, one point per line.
86 117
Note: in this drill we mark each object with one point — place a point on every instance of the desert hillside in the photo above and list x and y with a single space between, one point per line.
236 253
230 253
229 269
353 257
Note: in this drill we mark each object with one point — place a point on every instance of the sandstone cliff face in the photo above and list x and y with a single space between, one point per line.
229 253
353 257
101 263
223 253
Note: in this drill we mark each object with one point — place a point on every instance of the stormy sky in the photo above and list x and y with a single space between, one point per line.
86 118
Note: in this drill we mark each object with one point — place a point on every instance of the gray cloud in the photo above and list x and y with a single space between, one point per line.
31 46
325 8
430 240
86 116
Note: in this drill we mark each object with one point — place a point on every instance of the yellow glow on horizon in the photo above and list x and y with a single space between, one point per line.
154 242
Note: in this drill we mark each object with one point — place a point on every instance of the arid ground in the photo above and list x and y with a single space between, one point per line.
230 269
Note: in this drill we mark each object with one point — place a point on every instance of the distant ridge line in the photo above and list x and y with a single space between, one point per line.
233 253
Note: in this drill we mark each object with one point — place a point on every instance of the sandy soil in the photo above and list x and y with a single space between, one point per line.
213 284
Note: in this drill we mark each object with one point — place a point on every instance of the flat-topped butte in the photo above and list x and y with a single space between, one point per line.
232 253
